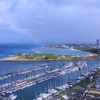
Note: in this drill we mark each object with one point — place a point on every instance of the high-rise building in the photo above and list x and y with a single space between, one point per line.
97 42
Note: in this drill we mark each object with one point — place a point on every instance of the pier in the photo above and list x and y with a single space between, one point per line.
30 81
8 75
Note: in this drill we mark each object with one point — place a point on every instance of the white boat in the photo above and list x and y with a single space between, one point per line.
52 91
12 96
65 97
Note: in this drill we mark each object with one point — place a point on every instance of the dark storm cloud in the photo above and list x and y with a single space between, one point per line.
50 20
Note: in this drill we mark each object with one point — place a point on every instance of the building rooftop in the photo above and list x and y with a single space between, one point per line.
94 92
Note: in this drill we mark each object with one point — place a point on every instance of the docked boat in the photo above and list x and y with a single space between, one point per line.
12 97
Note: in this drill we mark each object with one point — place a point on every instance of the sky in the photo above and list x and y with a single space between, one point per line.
49 21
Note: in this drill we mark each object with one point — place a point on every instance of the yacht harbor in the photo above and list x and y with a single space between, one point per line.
53 78
21 84
54 94
4 76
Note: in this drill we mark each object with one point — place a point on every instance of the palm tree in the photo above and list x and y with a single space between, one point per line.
61 98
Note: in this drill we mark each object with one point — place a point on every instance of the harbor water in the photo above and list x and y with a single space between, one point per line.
34 91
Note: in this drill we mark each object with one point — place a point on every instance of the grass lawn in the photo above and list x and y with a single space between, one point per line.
77 87
92 88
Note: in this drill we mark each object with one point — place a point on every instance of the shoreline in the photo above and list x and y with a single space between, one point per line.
14 59
46 60
89 55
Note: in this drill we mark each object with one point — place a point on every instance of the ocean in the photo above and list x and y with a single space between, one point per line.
10 50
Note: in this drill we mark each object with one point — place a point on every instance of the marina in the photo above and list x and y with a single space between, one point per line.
65 70
52 94
22 72
57 76
21 84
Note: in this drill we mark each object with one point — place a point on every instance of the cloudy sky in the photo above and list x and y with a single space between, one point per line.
49 21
